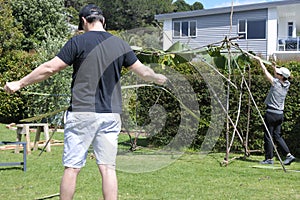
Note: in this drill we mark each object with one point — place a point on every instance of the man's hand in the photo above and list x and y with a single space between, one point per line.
274 66
160 79
12 87
147 74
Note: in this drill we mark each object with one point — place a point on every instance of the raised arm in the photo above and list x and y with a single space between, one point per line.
267 74
39 74
147 74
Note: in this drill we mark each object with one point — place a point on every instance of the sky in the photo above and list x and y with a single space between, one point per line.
223 3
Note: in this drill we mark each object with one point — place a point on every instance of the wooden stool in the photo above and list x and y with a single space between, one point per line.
23 129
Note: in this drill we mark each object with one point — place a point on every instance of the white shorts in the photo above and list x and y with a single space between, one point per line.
82 129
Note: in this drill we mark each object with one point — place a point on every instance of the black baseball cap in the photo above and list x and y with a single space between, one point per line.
88 10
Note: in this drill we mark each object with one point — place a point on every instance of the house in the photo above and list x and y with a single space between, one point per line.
268 29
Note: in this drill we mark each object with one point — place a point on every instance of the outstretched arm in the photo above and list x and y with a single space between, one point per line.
39 74
267 74
147 74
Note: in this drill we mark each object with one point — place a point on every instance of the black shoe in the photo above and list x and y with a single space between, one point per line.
289 159
267 162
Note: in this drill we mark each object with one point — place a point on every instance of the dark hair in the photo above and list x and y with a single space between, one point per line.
92 18
91 13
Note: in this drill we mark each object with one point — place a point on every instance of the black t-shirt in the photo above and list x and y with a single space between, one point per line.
97 58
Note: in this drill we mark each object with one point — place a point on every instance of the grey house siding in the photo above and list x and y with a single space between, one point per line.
259 46
214 28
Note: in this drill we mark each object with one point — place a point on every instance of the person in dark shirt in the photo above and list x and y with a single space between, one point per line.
274 113
93 117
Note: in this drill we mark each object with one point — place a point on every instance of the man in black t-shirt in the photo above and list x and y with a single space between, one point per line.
93 117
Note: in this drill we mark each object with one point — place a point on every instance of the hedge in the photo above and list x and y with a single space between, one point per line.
259 88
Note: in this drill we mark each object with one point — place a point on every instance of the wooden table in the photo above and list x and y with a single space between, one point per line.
24 129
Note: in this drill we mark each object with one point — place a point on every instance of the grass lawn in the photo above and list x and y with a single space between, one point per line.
147 174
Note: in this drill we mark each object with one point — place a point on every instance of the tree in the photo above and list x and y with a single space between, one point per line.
41 19
143 11
197 6
117 14
10 32
14 63
77 4
181 5
130 14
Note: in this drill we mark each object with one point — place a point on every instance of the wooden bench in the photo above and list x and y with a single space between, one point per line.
24 163
24 129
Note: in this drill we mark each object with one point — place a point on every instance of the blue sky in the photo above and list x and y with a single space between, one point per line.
221 3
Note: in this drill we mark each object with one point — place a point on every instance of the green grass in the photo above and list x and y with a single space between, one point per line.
190 176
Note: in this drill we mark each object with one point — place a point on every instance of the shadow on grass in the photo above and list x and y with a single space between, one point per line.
249 159
6 168
220 158
140 143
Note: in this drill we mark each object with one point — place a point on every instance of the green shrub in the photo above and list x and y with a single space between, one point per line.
40 20
18 64
44 25
10 32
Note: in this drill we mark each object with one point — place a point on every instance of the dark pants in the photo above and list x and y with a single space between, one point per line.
273 122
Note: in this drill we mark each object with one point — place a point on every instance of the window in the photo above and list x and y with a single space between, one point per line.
176 29
252 29
193 28
290 29
184 29
242 29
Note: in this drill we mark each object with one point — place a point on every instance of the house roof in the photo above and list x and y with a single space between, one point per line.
245 7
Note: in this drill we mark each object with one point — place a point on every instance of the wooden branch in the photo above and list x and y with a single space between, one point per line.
48 197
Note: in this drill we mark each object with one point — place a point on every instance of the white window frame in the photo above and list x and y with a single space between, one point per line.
242 32
188 31
245 32
292 25
193 21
